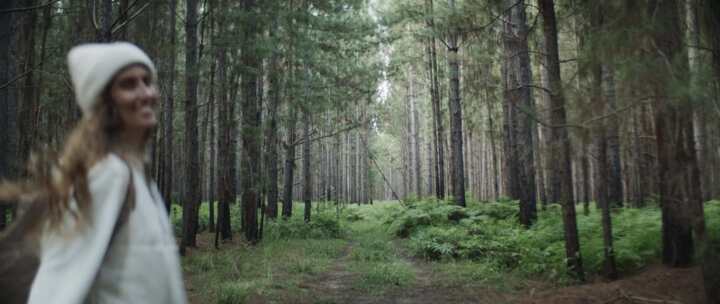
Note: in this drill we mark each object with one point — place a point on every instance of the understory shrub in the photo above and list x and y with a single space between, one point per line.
352 214
491 234
322 226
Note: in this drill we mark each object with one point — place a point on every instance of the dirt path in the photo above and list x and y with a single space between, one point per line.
334 285
338 285
657 284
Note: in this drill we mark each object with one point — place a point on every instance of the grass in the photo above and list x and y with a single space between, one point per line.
378 264
273 269
383 246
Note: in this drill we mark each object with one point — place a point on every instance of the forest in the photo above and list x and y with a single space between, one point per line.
408 151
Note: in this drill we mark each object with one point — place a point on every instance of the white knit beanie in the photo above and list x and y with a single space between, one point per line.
92 66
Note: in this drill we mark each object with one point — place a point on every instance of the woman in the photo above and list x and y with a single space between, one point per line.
103 231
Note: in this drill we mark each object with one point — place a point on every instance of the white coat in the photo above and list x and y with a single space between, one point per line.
142 263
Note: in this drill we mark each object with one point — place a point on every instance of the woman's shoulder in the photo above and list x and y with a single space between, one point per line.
110 166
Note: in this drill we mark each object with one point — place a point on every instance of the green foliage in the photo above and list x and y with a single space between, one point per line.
303 265
712 219
404 222
204 217
376 250
409 221
352 214
234 292
490 234
373 256
234 273
382 275
322 226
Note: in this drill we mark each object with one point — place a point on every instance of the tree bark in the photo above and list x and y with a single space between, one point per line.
8 101
211 121
602 134
27 107
192 193
271 166
711 254
415 133
104 34
456 117
226 149
250 126
307 176
491 134
289 179
560 140
678 171
166 179
438 131
615 175
518 103
212 188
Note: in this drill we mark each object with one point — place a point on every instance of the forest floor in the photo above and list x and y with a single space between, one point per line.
366 265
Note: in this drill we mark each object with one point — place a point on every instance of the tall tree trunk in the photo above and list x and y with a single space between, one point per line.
552 179
207 144
601 135
271 166
678 171
307 176
431 167
289 179
212 188
615 185
458 179
250 126
638 161
610 270
438 131
27 106
211 121
46 26
700 118
168 110
123 17
491 134
519 108
226 148
585 168
415 134
192 193
711 255
8 102
104 33
560 140
539 130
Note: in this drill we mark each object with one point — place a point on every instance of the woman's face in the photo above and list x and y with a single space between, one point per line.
135 97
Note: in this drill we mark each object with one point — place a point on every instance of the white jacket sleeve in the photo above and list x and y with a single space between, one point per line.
69 262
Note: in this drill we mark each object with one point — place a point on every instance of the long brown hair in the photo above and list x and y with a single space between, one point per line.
54 179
